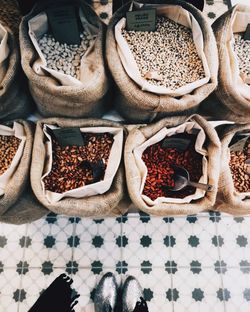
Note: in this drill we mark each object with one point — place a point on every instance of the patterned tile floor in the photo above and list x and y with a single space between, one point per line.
197 263
194 263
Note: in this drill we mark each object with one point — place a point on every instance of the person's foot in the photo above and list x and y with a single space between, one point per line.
106 294
132 296
57 297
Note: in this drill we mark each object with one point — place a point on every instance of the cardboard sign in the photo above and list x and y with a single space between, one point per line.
247 33
141 20
239 146
64 24
179 144
69 136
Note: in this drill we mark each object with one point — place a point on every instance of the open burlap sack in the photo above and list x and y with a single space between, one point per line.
10 15
137 105
228 199
133 174
107 204
232 91
18 204
15 101
53 98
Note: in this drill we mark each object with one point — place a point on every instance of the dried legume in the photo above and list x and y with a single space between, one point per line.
71 164
62 57
8 148
169 53
158 161
242 49
239 169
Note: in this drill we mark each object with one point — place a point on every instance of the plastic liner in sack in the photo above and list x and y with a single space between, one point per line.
18 204
134 174
233 89
58 94
229 199
15 100
78 202
138 105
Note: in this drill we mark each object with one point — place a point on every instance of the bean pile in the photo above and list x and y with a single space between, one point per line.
239 169
169 53
71 164
242 49
64 58
8 148
158 161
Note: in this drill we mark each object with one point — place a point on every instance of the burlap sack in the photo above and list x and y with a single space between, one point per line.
10 15
133 175
54 99
228 199
15 101
137 105
18 204
107 204
235 105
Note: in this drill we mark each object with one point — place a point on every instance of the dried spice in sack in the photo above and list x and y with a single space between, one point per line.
8 148
242 50
159 161
239 168
168 56
64 58
76 166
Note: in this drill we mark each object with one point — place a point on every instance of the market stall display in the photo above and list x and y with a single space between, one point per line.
17 203
15 100
192 144
84 175
66 78
154 71
234 64
234 184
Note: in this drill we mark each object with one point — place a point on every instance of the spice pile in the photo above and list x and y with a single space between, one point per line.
64 58
169 53
242 49
76 166
159 160
239 169
8 148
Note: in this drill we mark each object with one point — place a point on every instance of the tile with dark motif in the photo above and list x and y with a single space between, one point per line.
196 291
194 239
236 291
50 243
98 243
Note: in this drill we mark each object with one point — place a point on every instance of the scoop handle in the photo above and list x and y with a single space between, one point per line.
205 187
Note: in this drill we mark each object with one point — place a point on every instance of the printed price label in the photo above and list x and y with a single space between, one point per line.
179 144
247 33
141 20
69 136
64 25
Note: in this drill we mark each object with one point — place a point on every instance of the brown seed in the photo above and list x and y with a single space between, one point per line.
67 172
8 148
239 169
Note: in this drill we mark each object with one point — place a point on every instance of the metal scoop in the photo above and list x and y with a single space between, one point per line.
181 179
